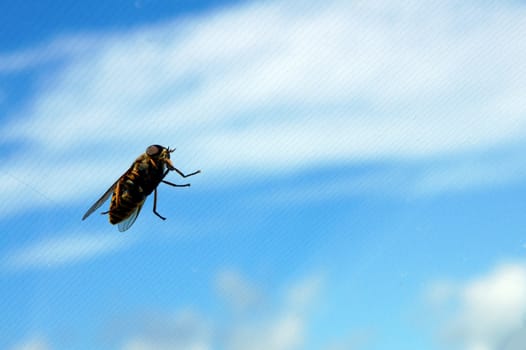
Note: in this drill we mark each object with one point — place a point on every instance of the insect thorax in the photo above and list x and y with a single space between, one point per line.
146 173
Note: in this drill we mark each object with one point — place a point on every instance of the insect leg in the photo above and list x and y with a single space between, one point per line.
174 185
155 205
183 175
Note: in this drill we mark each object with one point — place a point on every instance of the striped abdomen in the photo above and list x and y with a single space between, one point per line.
133 188
125 200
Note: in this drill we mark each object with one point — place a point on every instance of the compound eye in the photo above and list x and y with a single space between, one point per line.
153 150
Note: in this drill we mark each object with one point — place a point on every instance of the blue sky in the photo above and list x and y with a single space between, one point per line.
362 180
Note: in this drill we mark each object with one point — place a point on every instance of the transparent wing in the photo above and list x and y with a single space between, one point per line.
128 222
101 201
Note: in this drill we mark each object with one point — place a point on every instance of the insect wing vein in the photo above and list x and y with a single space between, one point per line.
100 201
128 222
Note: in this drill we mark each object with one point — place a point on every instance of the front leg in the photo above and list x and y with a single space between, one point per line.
183 175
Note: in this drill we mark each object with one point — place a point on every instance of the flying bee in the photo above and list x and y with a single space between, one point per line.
129 192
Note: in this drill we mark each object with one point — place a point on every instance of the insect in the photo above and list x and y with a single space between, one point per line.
129 192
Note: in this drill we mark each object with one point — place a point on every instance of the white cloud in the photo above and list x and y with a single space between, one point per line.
186 331
301 85
63 250
516 341
239 293
302 294
281 326
483 313
465 173
285 332
358 339
283 329
33 343
31 58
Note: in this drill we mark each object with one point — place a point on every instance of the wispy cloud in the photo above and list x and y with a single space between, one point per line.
63 250
286 327
33 343
470 173
301 85
240 294
34 57
186 330
282 326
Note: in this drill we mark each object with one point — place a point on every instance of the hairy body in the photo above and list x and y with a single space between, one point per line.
129 192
